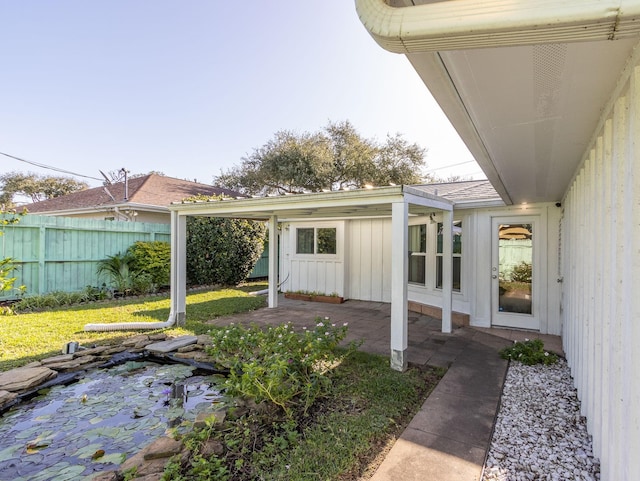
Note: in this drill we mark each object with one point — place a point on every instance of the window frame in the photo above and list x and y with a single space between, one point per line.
315 253
420 253
439 256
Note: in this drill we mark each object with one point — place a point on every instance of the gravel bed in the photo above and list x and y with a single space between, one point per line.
539 433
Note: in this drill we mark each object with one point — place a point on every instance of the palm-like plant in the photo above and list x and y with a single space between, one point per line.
118 269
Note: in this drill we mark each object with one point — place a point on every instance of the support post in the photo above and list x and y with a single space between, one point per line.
447 270
399 273
178 267
273 261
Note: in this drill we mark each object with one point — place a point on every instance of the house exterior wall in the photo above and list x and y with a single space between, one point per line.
601 269
369 259
323 273
362 267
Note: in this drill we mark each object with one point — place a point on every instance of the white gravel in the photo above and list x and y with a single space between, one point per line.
539 433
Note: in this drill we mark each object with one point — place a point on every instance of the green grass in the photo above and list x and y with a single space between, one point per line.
28 337
343 436
369 405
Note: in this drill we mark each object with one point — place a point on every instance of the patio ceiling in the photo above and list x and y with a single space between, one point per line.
526 93
376 202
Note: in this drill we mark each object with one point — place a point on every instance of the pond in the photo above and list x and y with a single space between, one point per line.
73 432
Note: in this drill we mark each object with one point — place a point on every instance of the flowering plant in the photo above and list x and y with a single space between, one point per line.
279 364
529 352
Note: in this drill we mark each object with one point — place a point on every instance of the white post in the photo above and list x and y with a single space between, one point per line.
273 261
178 267
399 277
447 269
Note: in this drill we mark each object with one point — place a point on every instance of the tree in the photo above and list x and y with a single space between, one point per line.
36 187
335 158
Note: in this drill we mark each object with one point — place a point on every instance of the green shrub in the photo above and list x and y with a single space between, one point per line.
279 365
152 258
61 298
521 272
529 352
125 279
222 251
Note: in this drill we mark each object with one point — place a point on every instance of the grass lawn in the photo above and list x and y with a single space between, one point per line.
28 337
343 437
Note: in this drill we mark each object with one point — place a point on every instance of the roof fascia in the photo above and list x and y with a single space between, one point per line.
468 24
266 206
104 208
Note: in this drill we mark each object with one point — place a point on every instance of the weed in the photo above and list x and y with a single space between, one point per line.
529 352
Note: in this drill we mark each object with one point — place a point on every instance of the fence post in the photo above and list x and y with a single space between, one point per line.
42 249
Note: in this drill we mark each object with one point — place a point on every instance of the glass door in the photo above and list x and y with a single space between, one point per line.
513 272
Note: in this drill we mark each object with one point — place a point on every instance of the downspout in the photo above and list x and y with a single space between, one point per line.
468 24
132 326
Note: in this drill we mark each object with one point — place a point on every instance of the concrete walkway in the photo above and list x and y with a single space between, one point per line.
448 438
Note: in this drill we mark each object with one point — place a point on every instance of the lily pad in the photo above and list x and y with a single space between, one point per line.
87 451
10 453
113 458
70 473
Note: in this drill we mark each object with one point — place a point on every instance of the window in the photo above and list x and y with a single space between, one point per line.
457 255
417 253
312 240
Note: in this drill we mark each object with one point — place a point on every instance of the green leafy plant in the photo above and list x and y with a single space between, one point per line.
152 258
8 265
126 279
280 365
222 251
521 272
367 405
529 352
61 298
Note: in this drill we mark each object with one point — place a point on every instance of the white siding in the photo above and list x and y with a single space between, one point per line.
309 272
601 269
369 259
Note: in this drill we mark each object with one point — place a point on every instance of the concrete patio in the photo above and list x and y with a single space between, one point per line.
449 437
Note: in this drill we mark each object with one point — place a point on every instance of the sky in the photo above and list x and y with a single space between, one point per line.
189 88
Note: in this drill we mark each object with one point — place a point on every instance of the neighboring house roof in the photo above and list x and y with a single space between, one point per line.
462 192
150 190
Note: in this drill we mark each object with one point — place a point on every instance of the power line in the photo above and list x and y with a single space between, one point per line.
449 166
43 166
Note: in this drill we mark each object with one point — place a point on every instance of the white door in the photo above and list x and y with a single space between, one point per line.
515 279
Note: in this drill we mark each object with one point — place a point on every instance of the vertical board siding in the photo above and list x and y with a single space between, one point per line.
62 253
370 259
601 268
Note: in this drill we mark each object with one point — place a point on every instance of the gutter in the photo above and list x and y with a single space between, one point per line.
467 24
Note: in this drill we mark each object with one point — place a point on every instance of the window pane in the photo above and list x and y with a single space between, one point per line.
457 262
418 238
417 269
304 241
457 237
327 240
515 251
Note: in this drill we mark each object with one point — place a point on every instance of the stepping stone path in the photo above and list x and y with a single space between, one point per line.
22 383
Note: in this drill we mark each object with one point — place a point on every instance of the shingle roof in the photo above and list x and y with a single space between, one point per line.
153 190
468 190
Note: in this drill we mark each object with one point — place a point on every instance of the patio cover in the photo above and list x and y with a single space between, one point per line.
397 202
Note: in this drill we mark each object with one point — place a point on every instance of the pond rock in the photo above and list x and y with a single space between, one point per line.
6 396
25 378
172 344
